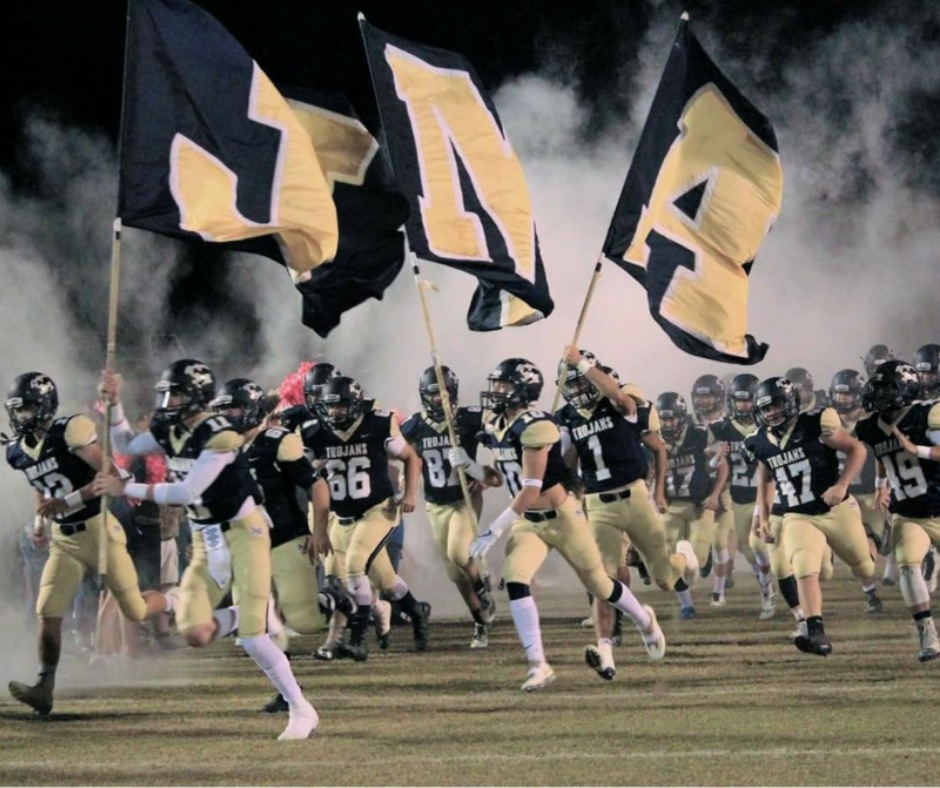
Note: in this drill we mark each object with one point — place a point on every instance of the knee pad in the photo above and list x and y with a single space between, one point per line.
360 589
722 556
517 591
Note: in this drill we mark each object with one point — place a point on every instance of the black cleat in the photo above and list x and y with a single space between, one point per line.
816 643
276 705
706 569
617 636
357 653
37 697
420 624
874 604
325 653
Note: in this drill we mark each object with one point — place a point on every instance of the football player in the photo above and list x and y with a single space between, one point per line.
845 393
276 458
730 433
905 434
452 526
60 457
542 515
708 399
353 443
877 355
799 471
926 362
693 494
605 432
231 532
802 381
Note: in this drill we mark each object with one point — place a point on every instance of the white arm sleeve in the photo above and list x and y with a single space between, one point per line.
565 442
395 446
124 439
934 436
205 471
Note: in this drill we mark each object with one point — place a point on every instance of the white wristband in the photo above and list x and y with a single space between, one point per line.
503 521
74 500
923 452
474 470
117 414
880 481
537 483
583 366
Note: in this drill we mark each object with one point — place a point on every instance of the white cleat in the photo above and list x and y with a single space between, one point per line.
601 660
276 629
718 600
768 604
481 636
539 676
685 549
654 641
302 724
588 623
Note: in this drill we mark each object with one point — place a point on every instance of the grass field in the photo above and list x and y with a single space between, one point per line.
732 703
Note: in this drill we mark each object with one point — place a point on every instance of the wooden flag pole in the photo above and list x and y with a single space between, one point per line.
110 354
439 374
577 330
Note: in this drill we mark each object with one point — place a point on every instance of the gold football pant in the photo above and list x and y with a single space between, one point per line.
71 556
568 533
453 532
687 520
295 583
806 538
359 548
724 521
911 538
871 516
249 542
749 544
634 519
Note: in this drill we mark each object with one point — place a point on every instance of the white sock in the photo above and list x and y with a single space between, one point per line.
685 598
798 613
913 586
227 619
525 616
891 567
167 603
272 661
720 581
630 606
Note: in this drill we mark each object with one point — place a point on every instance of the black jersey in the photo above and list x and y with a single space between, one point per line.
743 467
610 448
432 442
278 464
356 462
532 428
222 499
915 483
687 474
52 467
802 465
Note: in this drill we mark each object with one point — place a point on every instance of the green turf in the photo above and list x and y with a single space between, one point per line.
733 703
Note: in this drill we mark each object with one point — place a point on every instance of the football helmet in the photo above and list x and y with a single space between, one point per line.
845 391
341 402
802 381
316 378
32 401
577 390
610 371
741 394
892 385
708 397
673 414
245 395
877 355
430 391
516 382
776 401
186 387
926 362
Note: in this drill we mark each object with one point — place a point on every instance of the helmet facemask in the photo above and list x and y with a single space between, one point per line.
579 392
432 401
742 408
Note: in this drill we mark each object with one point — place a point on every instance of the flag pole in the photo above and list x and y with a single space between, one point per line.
595 278
113 299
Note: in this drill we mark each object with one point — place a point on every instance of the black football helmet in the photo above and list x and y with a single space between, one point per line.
32 401
776 401
189 380
610 371
708 397
430 391
244 394
341 402
927 362
845 391
741 395
316 378
577 390
877 355
526 381
892 385
673 413
802 381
